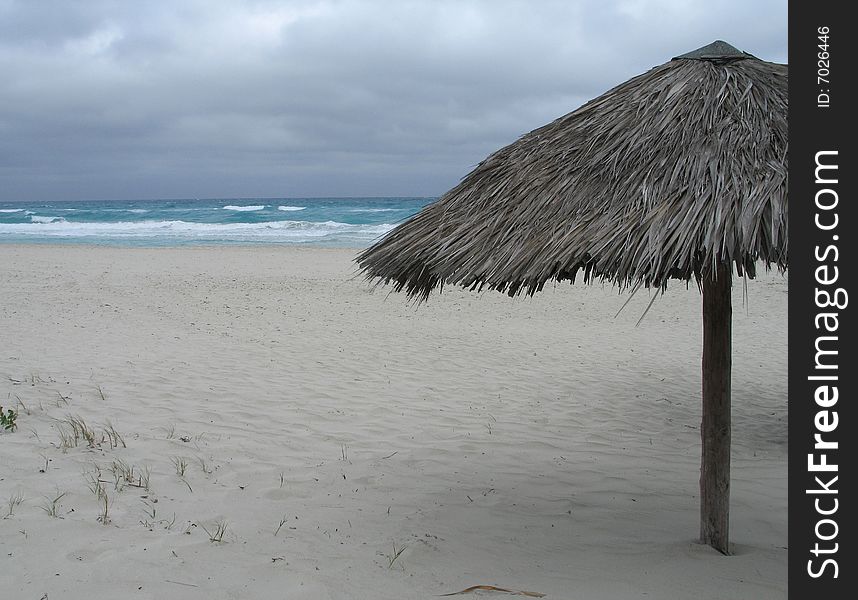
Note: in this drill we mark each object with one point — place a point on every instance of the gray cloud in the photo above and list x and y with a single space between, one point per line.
336 98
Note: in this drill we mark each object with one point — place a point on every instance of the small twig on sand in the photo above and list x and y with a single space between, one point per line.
492 588
181 583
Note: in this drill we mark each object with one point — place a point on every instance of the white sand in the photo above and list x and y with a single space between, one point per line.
535 444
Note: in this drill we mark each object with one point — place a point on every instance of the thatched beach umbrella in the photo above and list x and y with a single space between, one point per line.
680 172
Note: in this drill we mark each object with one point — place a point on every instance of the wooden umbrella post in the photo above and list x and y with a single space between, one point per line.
715 426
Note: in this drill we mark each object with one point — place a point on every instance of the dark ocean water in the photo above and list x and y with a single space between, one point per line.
327 222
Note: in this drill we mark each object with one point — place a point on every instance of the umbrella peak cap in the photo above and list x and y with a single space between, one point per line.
717 50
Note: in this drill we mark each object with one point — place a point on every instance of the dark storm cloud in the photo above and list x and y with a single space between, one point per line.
180 99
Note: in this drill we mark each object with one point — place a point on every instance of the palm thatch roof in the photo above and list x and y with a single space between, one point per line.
664 176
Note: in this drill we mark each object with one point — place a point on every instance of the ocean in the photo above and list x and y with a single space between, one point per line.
324 222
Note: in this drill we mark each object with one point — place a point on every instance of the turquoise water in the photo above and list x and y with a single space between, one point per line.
326 222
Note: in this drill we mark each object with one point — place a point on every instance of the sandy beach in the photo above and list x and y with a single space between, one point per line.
263 423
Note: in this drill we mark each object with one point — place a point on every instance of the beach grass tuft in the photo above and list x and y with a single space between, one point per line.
95 483
169 432
216 530
104 517
151 513
143 475
67 439
122 474
395 554
15 500
73 430
52 504
112 437
279 527
129 475
180 463
82 431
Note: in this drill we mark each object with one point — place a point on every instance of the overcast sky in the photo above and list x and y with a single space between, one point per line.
104 99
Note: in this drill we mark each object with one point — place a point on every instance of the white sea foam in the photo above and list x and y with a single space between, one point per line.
372 210
291 208
270 231
244 208
11 210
